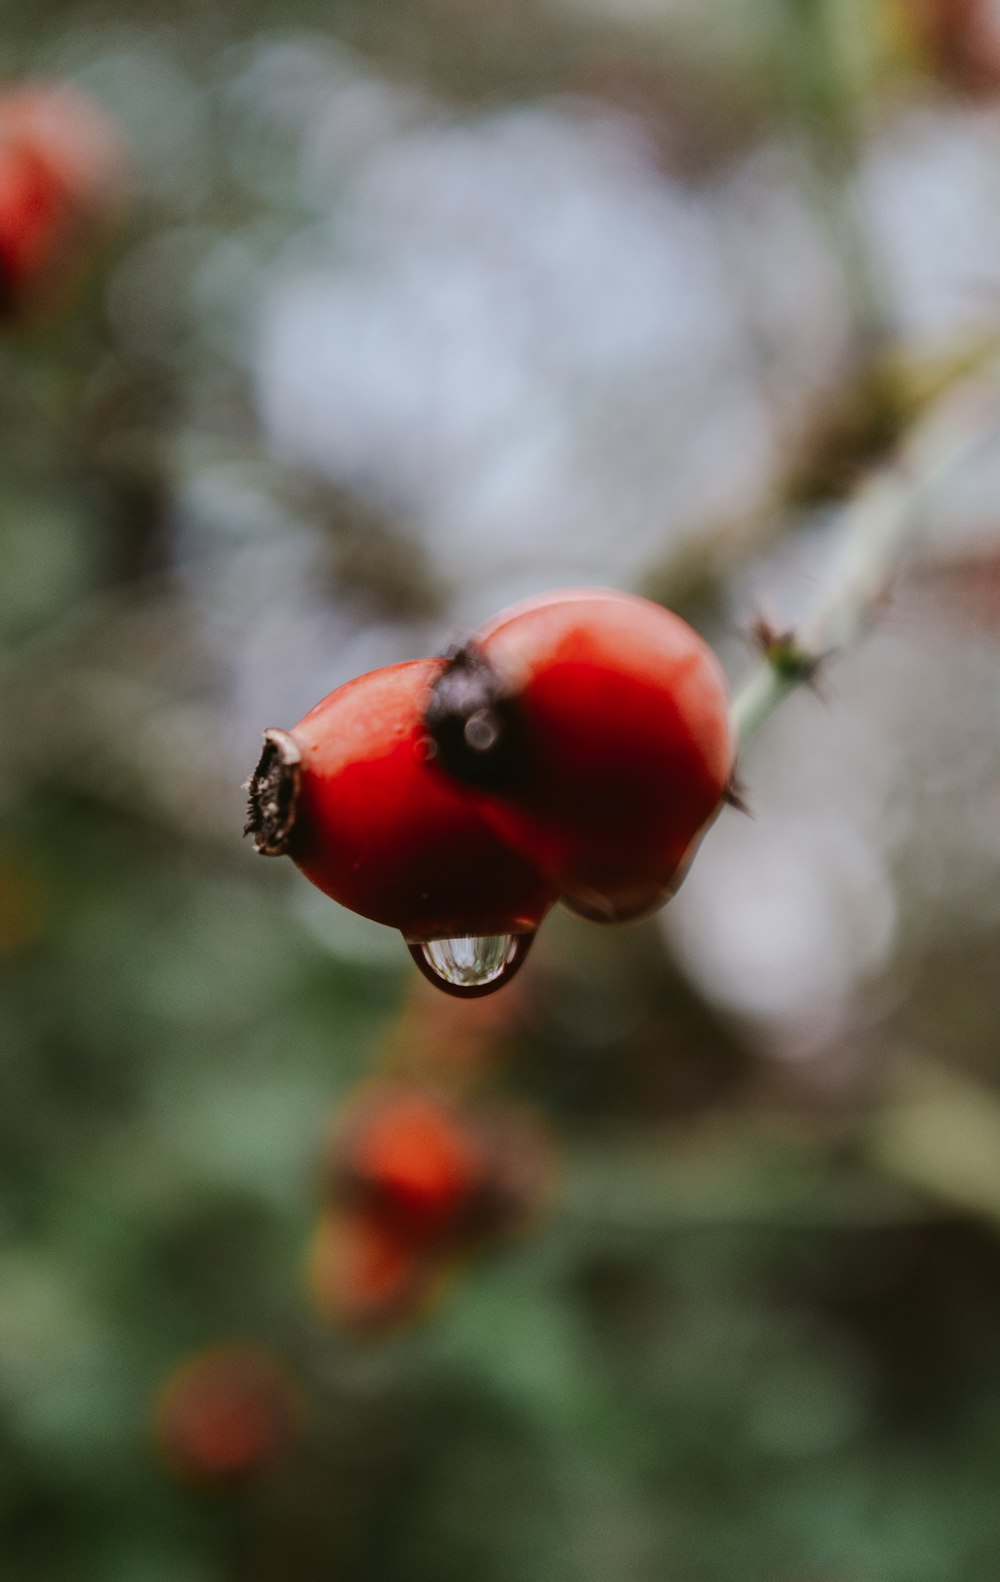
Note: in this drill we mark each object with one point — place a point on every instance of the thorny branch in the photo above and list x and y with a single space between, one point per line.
878 526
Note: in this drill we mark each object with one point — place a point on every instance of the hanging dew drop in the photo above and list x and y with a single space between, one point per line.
472 965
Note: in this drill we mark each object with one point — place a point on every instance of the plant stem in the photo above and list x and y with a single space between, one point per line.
877 527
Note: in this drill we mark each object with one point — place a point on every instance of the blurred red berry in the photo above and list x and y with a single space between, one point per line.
435 1038
227 1415
414 1182
594 726
407 1158
958 40
437 1171
363 1272
62 181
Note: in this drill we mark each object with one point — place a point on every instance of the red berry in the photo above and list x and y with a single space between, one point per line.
415 1181
595 725
958 39
434 1173
227 1415
364 1273
355 797
62 177
408 1158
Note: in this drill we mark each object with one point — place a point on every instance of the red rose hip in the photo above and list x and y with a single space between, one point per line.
415 1181
227 1416
62 183
407 1156
594 726
355 797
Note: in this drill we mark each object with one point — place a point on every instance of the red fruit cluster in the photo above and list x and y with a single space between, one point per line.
226 1416
62 179
576 748
413 1183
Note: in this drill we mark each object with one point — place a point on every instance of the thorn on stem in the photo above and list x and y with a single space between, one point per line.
783 654
735 795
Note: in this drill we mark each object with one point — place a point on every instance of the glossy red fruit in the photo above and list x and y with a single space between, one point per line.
354 796
62 181
595 728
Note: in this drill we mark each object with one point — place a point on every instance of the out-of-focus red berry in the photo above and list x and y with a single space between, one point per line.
414 1182
436 1171
227 1415
364 1272
595 727
62 182
958 40
353 796
408 1158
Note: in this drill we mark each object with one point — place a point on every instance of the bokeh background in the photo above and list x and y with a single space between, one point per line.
418 307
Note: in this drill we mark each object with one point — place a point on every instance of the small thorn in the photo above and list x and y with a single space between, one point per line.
816 682
781 650
764 635
735 795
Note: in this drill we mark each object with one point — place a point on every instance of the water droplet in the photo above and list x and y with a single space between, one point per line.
472 965
482 732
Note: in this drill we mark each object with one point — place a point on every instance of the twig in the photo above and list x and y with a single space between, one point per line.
877 526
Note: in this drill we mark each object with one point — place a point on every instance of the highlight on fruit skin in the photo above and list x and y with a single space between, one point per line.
63 185
413 1183
227 1416
592 728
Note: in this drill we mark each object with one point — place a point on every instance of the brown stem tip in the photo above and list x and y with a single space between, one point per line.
273 798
